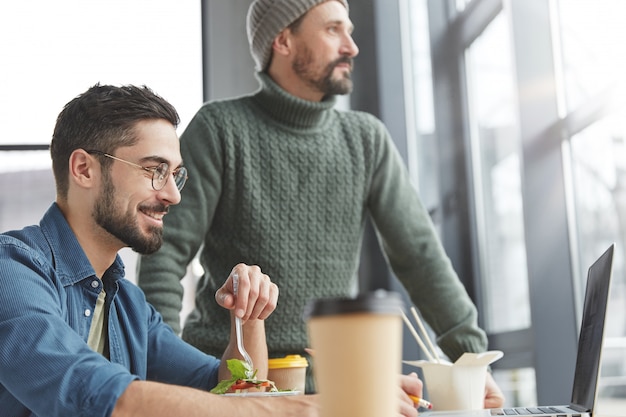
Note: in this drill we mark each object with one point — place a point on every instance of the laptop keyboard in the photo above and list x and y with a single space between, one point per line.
521 411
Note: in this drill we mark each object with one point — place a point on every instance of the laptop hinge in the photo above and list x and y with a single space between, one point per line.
579 408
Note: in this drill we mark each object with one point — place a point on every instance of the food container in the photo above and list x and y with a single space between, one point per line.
288 373
459 385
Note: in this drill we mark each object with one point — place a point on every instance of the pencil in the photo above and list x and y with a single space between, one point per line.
420 402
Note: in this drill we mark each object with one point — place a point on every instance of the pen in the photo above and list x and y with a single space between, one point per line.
420 402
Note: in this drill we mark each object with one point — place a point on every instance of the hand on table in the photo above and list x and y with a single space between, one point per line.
494 398
410 385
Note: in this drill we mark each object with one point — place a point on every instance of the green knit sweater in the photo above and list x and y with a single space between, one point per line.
287 184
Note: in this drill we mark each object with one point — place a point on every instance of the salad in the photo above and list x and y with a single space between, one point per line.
239 382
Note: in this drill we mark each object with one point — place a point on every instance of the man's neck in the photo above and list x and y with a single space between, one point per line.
292 84
99 246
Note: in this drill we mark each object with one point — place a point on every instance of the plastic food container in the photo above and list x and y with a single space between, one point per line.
288 373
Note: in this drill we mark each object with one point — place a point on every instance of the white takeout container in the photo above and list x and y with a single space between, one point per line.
459 385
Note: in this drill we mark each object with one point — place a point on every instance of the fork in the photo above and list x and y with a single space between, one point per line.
239 333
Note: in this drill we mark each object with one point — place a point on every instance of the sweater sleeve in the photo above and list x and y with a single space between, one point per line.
416 255
187 223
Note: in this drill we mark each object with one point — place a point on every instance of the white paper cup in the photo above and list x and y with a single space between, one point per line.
358 351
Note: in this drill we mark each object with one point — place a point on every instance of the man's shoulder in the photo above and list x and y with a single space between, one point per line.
29 241
226 104
26 237
216 114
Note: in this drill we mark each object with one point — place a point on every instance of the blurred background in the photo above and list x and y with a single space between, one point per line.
510 115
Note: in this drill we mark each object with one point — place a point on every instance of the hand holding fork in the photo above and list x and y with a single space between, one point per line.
239 333
253 297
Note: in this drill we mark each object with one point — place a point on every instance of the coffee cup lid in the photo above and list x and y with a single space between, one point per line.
289 361
375 302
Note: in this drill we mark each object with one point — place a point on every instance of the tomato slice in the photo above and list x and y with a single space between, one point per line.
243 384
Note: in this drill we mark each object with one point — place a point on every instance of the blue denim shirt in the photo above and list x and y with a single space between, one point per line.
47 295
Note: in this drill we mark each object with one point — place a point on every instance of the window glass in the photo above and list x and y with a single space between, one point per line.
517 385
52 51
422 82
592 38
421 64
496 156
461 4
598 155
592 63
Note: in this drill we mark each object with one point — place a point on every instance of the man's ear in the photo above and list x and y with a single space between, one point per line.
282 43
83 169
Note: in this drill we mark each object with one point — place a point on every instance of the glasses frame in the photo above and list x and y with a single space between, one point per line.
180 172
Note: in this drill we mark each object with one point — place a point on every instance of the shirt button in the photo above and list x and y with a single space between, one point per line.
87 312
95 284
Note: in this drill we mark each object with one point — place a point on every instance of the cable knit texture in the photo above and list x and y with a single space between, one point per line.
287 184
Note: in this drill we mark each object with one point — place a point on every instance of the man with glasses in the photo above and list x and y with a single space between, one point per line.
76 338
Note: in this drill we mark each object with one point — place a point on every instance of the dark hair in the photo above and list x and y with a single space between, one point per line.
103 118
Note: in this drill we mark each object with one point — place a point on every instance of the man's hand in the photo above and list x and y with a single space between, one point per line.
411 385
255 300
494 398
257 295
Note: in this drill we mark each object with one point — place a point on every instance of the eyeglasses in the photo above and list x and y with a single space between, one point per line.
160 173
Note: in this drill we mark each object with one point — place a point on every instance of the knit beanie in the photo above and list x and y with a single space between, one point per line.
267 18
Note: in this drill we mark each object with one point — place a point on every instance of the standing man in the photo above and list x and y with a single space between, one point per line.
286 181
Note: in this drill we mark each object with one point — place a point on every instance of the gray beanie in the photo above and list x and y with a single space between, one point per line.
267 18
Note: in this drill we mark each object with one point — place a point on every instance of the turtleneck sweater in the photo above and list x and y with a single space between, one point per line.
287 184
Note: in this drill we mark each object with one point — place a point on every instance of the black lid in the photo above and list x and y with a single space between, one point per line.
376 302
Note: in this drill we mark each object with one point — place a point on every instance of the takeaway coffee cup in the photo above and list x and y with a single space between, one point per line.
459 385
358 353
288 373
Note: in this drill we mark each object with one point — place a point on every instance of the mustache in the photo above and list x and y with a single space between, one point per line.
156 207
342 60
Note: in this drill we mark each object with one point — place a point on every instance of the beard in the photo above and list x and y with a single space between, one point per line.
324 82
124 227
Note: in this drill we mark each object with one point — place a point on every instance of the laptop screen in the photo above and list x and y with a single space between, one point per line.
592 331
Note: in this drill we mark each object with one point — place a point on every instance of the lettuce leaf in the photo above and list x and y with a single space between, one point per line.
238 369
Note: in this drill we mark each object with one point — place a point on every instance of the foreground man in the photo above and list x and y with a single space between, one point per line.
284 180
77 339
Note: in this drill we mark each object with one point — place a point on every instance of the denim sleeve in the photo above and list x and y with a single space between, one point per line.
45 365
172 360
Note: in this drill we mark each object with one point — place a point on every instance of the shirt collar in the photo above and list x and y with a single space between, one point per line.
70 261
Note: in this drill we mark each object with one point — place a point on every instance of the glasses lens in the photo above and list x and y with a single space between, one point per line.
159 176
180 177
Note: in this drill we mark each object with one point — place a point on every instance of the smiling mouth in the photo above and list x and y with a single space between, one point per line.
156 216
156 213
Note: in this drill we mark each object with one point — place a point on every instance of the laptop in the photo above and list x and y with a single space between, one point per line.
590 341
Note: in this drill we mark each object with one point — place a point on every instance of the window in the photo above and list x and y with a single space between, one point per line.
592 43
532 94
497 165
592 68
420 64
54 50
